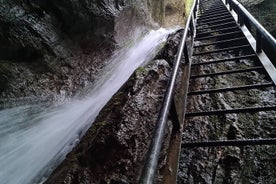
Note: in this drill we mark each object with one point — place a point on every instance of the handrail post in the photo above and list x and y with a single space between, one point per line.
240 17
259 41
263 43
231 5
194 12
186 54
192 26
264 40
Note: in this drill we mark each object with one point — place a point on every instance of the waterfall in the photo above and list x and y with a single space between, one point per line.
34 140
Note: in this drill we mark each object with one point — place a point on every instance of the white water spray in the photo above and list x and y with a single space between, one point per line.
34 140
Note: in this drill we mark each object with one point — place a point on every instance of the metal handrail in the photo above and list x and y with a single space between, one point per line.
151 163
264 40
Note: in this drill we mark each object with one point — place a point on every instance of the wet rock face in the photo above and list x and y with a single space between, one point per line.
31 24
85 21
171 47
113 150
175 13
50 50
251 2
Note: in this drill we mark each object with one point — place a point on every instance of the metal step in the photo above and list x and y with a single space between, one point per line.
213 9
230 111
213 12
221 42
218 30
215 18
205 16
228 72
244 142
219 6
222 50
200 18
218 35
252 56
219 25
235 88
216 25
216 21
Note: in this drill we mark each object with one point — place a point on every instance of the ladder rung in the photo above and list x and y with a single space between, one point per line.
212 16
222 50
218 25
244 142
225 60
212 22
214 31
203 17
227 72
212 10
215 25
231 111
221 42
213 13
254 86
215 9
218 35
215 18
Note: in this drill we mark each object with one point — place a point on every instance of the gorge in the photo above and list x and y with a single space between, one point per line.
81 85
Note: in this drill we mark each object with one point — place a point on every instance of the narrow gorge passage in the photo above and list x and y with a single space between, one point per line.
84 86
34 139
231 99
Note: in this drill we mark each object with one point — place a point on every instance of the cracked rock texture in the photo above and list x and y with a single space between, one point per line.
50 50
114 149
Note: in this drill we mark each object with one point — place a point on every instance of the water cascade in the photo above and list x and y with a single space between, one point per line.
33 139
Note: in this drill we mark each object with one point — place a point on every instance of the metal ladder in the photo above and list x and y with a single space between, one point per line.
212 24
217 27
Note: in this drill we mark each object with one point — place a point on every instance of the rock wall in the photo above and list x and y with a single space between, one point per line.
175 12
251 2
264 11
53 50
50 50
114 149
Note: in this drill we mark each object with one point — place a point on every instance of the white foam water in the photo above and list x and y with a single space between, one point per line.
33 140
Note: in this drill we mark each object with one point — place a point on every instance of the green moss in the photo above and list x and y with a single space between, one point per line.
157 8
103 123
189 4
140 70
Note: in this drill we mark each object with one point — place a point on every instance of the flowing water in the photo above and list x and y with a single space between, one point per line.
33 139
